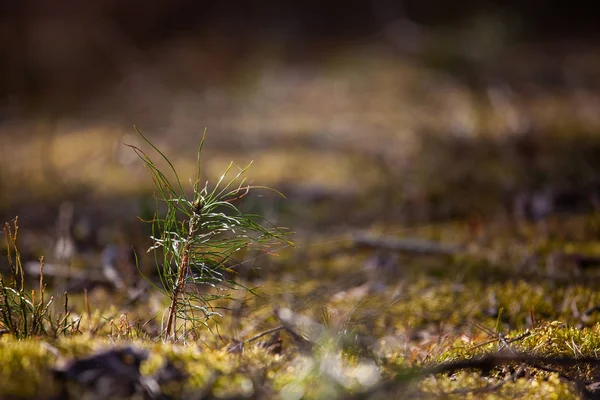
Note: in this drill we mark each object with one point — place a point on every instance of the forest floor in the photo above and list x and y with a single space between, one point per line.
506 314
446 236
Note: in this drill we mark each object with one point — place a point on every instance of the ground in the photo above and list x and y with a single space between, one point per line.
505 175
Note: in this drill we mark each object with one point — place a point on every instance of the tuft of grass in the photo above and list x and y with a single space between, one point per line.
21 314
24 313
195 237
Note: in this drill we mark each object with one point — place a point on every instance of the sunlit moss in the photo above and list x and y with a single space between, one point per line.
474 386
24 367
372 328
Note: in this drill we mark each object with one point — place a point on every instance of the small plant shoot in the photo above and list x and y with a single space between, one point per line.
195 237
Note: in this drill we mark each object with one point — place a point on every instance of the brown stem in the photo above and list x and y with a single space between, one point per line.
178 288
183 266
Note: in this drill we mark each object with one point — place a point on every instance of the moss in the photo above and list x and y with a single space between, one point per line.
383 326
473 386
24 368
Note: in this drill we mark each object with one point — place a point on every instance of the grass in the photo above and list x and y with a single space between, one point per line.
23 313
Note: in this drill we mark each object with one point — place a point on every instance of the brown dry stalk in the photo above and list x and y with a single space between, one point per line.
41 280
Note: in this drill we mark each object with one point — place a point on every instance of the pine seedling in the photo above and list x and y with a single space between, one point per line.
195 238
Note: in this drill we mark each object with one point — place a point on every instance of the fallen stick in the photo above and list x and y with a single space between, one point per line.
412 246
485 364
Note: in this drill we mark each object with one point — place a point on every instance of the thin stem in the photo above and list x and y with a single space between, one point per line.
182 270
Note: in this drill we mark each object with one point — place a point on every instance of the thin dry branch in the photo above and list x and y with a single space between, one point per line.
411 246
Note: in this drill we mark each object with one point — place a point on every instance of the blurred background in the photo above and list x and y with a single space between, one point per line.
362 113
